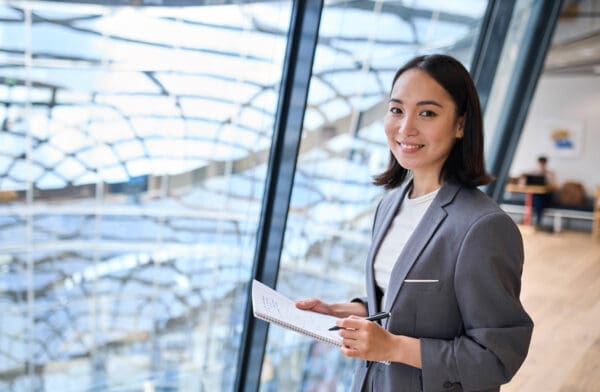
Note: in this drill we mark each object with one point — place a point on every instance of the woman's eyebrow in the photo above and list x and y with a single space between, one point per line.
420 103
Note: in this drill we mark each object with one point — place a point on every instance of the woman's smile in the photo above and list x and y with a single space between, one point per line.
409 148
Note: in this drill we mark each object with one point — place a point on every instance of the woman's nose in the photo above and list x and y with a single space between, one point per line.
407 127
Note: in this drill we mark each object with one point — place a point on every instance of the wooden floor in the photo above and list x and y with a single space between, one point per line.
561 292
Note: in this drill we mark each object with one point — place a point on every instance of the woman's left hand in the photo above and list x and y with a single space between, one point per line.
365 339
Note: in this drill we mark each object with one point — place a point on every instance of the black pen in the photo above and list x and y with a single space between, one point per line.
375 317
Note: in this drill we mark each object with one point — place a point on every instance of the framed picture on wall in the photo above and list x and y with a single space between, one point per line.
565 138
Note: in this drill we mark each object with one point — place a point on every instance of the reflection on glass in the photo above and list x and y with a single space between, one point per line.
361 45
506 66
133 154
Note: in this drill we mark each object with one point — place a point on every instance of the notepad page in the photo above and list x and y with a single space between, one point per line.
273 306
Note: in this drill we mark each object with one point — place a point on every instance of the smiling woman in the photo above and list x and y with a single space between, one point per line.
422 125
445 108
445 261
327 235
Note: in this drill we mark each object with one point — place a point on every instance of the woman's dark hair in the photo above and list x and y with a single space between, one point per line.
465 163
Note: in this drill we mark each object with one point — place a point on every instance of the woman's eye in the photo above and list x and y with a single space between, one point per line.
396 110
428 113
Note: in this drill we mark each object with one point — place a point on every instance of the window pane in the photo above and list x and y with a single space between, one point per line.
506 66
361 44
133 155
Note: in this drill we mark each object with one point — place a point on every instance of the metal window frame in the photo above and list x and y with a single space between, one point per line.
494 29
529 66
297 72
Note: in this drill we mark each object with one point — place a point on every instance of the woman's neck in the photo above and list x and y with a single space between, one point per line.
422 187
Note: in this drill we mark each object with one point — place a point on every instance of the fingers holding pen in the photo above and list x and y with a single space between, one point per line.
355 320
354 331
350 323
362 338
354 327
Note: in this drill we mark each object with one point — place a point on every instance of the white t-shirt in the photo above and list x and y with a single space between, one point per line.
406 220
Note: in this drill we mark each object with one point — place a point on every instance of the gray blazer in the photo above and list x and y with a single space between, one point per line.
474 331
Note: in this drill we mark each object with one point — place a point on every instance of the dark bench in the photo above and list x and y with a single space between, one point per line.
573 217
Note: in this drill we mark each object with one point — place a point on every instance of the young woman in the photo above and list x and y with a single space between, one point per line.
445 260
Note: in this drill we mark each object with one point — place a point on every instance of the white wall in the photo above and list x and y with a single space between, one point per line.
567 101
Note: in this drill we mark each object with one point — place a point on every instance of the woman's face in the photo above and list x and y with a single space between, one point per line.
421 124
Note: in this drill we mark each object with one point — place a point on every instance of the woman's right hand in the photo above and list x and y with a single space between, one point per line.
336 310
315 305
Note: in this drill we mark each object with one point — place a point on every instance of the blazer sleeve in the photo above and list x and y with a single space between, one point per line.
497 330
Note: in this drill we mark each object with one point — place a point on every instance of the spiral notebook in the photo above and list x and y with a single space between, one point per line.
274 307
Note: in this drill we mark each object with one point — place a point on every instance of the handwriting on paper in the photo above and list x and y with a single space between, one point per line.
271 306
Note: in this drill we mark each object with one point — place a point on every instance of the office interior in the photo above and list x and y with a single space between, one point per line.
158 155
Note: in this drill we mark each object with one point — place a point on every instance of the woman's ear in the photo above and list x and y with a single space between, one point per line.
460 130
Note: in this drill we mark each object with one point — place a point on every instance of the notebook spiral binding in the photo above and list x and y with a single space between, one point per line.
300 330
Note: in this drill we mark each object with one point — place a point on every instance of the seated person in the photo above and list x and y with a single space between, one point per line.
541 176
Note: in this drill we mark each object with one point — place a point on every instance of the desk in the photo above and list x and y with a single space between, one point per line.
529 191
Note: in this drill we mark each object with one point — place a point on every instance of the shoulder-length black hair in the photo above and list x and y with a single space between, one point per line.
465 163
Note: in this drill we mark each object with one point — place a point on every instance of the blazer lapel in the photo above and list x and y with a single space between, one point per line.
419 239
388 213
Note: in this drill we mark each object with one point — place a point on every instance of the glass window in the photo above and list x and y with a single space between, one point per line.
361 45
132 162
506 67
